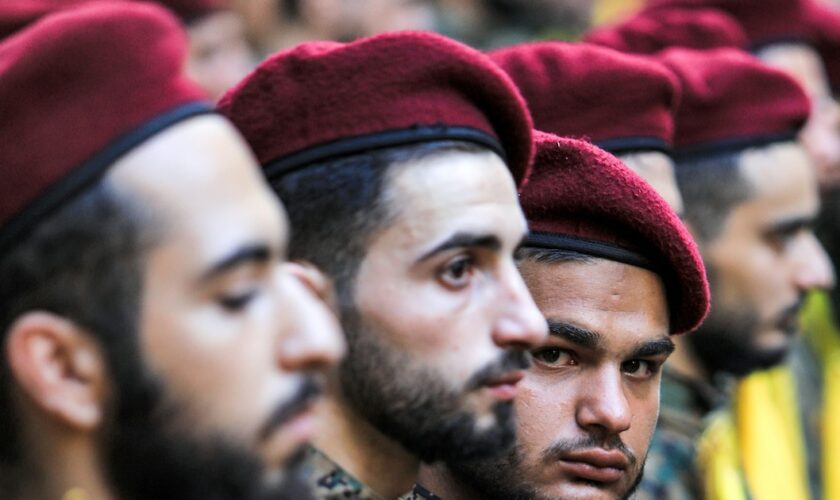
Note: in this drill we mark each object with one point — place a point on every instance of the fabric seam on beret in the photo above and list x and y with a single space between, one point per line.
603 250
379 140
90 171
732 145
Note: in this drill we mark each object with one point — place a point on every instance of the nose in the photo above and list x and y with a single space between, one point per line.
311 338
813 267
520 324
603 408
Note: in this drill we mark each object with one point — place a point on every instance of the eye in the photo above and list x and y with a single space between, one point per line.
237 302
554 356
639 368
457 272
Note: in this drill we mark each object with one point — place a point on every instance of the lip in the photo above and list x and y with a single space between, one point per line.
504 387
597 465
296 431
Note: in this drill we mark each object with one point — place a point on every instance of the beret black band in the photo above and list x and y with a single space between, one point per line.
381 140
603 250
733 145
90 171
633 144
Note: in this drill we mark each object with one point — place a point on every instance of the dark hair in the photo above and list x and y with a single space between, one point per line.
82 263
336 207
711 186
550 255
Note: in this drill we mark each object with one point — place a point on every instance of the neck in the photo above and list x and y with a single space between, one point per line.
351 442
440 480
684 363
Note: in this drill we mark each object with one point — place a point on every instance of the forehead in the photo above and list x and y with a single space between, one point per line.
781 180
801 62
455 191
624 303
204 187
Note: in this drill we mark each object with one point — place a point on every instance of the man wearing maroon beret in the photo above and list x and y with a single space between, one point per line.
398 157
750 195
624 104
154 343
616 274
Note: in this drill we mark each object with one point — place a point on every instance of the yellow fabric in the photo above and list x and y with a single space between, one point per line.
718 461
822 333
607 11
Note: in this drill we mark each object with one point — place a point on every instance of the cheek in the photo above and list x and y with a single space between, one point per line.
544 413
644 403
751 274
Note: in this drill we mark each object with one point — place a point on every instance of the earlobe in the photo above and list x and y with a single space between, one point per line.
58 367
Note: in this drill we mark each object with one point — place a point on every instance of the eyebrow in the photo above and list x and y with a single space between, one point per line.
574 334
249 254
465 240
792 225
654 348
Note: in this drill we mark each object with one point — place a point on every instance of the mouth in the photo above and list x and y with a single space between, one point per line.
503 387
789 320
297 411
596 465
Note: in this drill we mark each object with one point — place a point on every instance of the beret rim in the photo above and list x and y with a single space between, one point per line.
556 241
359 144
91 170
732 145
621 145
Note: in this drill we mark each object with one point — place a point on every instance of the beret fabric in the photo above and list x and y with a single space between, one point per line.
17 14
732 101
582 198
78 89
621 102
648 32
765 21
324 100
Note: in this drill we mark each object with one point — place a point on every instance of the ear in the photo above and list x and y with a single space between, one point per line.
59 367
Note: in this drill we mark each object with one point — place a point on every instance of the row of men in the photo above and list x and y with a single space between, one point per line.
168 324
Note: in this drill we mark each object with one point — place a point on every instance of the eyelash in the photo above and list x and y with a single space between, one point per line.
237 302
653 366
468 263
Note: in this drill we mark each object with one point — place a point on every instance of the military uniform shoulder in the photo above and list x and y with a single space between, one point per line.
329 481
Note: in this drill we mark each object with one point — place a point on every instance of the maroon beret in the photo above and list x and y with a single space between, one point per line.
583 199
764 21
648 32
78 89
324 100
621 102
732 101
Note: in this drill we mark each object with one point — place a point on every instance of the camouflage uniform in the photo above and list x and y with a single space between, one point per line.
670 470
329 481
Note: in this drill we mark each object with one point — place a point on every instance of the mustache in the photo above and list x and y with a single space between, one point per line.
559 449
512 360
309 390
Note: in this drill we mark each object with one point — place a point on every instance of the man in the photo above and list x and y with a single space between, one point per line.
787 34
562 83
155 346
615 272
390 155
750 195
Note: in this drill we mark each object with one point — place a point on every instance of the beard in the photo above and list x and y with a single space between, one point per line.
150 451
505 477
726 342
417 407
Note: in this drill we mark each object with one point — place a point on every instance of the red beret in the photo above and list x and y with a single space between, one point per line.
619 101
732 101
78 89
583 199
764 21
323 100
648 32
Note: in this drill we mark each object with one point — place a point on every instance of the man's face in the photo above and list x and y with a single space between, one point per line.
442 319
219 53
588 406
228 333
761 264
821 135
657 169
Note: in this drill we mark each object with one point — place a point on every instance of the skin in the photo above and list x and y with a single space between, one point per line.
440 285
575 390
231 339
821 134
657 169
219 54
